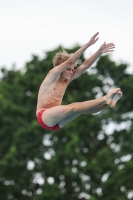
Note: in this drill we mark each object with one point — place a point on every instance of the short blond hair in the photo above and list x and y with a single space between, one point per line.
61 57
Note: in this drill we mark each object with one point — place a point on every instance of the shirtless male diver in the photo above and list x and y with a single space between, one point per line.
50 113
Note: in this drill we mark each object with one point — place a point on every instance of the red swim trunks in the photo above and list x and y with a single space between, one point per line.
39 118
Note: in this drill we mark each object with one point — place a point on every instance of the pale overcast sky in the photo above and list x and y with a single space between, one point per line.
36 26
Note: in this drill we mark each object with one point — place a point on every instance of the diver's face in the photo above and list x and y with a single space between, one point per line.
67 74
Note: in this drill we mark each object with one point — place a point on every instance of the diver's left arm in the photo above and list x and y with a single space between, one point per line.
104 48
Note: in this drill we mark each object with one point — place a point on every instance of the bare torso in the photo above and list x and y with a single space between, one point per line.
50 93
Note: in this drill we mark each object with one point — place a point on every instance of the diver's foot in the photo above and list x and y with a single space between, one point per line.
113 96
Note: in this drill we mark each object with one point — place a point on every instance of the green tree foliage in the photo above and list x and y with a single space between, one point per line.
90 158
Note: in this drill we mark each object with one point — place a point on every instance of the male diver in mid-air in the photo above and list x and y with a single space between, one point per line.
51 114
